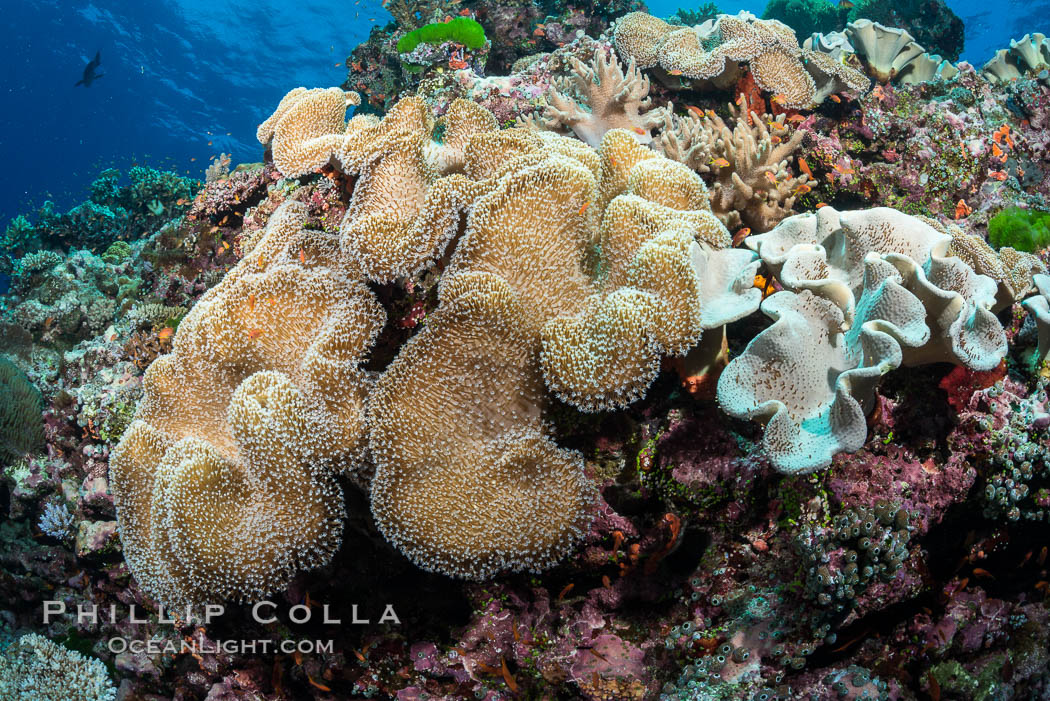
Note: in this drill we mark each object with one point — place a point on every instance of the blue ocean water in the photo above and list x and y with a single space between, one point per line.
188 79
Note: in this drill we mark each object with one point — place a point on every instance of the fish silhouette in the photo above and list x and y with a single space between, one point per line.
89 71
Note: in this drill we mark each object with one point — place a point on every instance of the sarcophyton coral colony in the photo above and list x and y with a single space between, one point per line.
570 267
261 405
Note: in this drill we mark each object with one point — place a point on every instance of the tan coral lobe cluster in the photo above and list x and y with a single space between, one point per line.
225 482
468 481
712 53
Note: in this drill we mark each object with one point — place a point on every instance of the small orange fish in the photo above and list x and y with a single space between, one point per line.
538 32
695 110
710 113
804 167
251 302
739 236
774 139
302 256
982 573
318 685
583 208
254 333
796 118
821 204
508 677
720 163
639 130
165 333
675 72
225 246
209 143
193 159
802 189
846 4
779 99
771 178
465 12
776 126
835 98
565 591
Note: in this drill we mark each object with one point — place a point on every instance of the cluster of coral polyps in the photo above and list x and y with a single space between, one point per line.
225 483
712 54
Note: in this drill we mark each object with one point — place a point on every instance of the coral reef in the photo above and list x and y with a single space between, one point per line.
261 391
451 382
114 211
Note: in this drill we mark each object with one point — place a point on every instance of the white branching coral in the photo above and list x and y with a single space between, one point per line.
37 669
225 482
865 292
753 183
597 98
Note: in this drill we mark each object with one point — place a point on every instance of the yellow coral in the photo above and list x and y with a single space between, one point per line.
225 482
306 129
466 481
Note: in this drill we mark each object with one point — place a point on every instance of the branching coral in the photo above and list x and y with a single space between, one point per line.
753 185
712 52
866 292
225 482
599 97
36 669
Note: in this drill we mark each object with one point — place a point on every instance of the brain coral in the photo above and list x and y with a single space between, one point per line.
21 429
865 292
36 669
225 482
